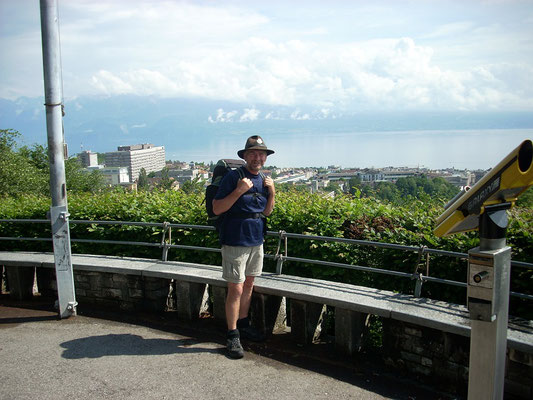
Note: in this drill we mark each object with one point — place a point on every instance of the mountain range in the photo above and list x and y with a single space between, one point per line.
189 124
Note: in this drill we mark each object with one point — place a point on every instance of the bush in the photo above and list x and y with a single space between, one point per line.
309 214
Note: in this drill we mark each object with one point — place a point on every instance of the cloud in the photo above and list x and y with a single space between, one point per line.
452 29
243 53
223 116
298 115
384 74
250 114
108 83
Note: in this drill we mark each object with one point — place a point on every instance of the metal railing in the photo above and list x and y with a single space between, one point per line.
282 254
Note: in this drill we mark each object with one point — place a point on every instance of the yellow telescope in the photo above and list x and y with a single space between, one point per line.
503 184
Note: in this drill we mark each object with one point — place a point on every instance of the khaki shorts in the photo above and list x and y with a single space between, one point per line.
238 262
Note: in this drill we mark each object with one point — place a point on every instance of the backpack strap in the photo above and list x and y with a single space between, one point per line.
263 176
240 171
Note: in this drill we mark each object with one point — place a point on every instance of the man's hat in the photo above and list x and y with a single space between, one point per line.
255 143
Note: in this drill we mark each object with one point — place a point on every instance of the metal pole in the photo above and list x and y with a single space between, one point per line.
489 273
53 89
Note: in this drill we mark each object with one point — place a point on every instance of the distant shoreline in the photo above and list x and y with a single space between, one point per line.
434 149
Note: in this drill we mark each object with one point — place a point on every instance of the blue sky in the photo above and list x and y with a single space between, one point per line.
333 57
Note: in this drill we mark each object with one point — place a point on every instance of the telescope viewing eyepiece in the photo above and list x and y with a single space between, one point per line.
502 184
525 156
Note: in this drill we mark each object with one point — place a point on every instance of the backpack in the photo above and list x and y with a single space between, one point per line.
222 167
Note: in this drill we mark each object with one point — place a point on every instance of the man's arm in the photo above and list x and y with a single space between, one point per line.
222 205
271 200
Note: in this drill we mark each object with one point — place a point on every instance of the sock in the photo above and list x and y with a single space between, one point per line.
233 333
243 322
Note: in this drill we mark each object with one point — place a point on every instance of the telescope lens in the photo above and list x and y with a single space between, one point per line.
525 156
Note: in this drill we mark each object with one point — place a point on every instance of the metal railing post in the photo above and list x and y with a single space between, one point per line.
166 227
418 276
279 257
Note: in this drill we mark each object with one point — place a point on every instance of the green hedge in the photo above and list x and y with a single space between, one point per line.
295 212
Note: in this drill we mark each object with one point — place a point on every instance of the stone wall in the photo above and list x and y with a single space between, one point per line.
430 355
442 358
437 357
111 291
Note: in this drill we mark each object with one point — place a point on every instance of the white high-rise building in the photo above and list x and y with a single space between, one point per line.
88 158
135 157
116 175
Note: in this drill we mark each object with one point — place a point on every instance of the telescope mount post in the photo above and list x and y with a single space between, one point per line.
488 286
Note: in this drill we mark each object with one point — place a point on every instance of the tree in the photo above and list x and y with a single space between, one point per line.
333 187
194 186
407 186
80 179
100 158
353 185
19 171
387 191
8 139
142 183
26 170
166 182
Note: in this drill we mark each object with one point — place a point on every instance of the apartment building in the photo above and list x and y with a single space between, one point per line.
135 157
116 175
392 175
88 158
366 175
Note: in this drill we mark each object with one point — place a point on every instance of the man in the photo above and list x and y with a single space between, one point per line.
244 202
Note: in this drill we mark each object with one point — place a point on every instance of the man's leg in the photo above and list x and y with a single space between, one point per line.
246 296
233 304
243 323
233 301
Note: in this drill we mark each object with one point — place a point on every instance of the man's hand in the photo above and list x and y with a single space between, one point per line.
244 185
222 205
269 183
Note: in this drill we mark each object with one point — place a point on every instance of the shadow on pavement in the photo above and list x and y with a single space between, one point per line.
21 320
128 344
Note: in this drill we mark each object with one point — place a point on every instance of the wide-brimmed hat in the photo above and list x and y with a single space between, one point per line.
255 143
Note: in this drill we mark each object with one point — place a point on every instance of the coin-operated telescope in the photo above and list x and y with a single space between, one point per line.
502 184
484 207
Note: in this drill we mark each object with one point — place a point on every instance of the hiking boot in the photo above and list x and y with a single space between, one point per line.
235 350
252 334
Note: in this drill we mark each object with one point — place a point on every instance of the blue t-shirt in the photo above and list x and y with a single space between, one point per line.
238 229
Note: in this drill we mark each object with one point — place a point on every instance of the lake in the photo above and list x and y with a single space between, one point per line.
436 149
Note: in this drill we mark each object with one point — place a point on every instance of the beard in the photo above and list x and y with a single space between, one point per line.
254 166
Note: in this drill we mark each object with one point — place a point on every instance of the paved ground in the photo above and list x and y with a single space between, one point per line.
84 357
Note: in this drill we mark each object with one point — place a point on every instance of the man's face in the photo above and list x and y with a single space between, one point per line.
255 159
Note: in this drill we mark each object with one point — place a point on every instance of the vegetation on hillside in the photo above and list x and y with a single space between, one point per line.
25 170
